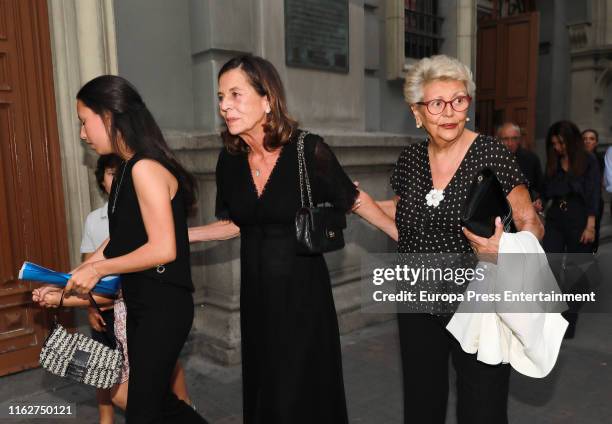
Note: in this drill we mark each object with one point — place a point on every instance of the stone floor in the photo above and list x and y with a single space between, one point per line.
578 391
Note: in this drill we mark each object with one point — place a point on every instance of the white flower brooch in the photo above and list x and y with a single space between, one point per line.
434 197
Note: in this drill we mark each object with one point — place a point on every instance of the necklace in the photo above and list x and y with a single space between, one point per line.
119 186
255 171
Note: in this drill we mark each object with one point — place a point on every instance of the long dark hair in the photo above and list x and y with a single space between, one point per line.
568 133
264 78
116 99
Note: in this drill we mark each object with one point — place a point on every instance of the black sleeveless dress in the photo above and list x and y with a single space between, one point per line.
291 358
159 307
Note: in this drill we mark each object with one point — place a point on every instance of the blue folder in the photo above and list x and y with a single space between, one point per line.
108 285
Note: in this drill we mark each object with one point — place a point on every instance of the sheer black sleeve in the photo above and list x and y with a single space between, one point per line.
221 206
332 184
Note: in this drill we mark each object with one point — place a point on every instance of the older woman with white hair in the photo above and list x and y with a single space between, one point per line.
431 180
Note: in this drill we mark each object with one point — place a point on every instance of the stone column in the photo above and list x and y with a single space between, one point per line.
466 40
466 33
220 29
96 38
83 46
591 70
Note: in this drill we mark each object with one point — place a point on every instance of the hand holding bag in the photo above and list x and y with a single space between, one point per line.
317 229
80 358
485 202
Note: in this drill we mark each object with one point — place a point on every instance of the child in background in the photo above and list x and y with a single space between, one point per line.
94 234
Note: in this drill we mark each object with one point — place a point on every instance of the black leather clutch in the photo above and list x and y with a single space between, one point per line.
485 201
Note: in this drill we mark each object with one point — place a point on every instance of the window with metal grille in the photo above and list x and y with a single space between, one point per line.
421 28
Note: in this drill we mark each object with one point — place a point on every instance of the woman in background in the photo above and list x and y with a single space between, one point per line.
573 186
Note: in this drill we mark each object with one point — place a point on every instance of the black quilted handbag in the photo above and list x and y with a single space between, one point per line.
80 358
318 229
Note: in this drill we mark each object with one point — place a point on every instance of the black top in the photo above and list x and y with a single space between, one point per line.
428 229
127 231
532 170
291 358
587 186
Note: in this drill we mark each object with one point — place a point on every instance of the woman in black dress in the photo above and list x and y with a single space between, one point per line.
573 187
573 184
148 244
291 358
431 180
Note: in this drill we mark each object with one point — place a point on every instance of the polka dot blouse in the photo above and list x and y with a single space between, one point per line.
429 229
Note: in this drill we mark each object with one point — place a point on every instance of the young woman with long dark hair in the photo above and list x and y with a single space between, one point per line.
572 183
148 244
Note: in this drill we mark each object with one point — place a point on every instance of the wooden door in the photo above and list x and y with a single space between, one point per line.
32 219
507 56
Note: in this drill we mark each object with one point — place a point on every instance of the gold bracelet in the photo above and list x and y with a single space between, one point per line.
93 266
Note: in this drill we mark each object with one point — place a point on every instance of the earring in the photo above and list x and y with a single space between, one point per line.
467 119
418 124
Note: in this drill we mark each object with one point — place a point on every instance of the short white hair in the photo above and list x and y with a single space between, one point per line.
439 67
511 125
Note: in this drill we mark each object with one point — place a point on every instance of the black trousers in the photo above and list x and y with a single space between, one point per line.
482 390
564 228
562 234
159 318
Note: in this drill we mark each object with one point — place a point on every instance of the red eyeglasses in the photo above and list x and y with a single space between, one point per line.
437 106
